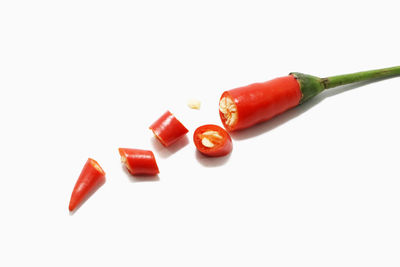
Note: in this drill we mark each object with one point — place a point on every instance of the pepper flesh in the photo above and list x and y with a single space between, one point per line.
91 177
138 161
245 106
212 140
168 129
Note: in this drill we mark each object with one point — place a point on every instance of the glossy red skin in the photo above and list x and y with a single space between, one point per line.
139 161
89 180
168 129
219 149
262 101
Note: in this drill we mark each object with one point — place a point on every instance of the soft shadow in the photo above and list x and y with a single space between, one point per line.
140 178
295 112
165 152
211 161
88 196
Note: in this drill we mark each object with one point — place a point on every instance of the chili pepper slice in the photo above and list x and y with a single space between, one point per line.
92 176
212 140
245 106
168 129
139 161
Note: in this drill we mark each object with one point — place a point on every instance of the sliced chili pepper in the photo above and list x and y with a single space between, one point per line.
168 129
139 161
245 106
212 140
91 177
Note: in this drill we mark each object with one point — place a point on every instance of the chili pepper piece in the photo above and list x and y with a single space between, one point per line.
245 106
168 129
139 161
212 140
91 177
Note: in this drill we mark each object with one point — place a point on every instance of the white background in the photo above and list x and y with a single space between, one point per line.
317 186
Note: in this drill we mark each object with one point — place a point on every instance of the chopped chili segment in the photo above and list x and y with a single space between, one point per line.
91 177
138 161
212 140
168 129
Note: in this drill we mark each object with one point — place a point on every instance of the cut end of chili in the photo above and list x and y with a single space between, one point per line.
159 137
228 111
138 161
124 161
96 165
212 140
168 129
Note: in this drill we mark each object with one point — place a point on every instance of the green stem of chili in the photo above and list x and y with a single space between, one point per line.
339 80
311 86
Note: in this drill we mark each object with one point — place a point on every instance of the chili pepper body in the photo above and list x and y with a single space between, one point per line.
245 106
92 176
212 140
139 161
168 129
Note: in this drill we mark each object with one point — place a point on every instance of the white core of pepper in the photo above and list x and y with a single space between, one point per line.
125 162
229 110
207 136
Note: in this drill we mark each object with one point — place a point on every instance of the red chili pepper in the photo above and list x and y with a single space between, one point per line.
168 129
212 140
91 177
139 161
245 106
